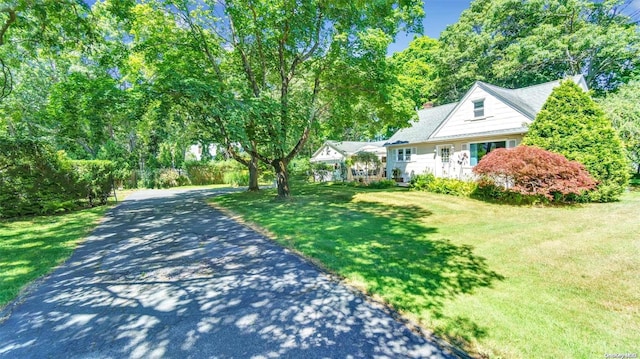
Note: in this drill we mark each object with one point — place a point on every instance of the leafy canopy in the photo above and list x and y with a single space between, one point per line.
623 108
515 43
293 65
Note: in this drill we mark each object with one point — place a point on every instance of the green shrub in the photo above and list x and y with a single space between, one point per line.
385 183
34 179
573 125
237 178
202 173
30 177
487 190
430 183
299 168
94 179
168 177
214 172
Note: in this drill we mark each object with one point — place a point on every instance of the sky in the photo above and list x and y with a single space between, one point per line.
438 15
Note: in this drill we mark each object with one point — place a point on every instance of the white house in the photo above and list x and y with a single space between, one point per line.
449 140
337 152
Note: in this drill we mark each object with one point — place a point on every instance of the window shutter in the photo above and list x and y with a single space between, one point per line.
511 143
463 147
414 150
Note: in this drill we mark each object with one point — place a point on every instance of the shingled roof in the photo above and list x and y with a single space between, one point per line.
527 100
428 121
351 147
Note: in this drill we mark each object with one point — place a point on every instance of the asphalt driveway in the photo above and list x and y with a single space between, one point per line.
167 276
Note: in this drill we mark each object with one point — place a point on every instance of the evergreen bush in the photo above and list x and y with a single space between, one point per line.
573 125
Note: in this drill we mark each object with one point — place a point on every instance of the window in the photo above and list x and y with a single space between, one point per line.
478 150
445 154
404 154
478 108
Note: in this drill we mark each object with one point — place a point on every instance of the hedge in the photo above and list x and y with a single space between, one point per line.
34 179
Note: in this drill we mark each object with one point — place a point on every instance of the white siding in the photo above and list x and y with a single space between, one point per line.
459 165
422 160
498 116
327 154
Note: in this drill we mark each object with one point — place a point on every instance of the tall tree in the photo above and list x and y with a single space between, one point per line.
572 124
417 73
623 108
291 64
515 43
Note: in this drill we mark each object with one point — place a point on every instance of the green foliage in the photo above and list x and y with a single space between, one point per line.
514 43
236 178
369 160
417 72
36 180
623 108
30 178
202 173
217 172
300 168
430 183
124 163
573 125
170 177
321 170
382 184
94 179
332 70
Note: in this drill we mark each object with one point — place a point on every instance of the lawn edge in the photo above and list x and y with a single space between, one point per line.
379 302
27 289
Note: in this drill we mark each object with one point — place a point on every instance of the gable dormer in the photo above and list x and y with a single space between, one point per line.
480 111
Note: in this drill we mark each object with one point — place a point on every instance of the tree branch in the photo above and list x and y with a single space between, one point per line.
7 24
312 118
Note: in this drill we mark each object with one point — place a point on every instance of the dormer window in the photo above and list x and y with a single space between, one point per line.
478 109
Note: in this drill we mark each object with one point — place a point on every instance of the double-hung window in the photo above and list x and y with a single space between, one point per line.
404 154
478 109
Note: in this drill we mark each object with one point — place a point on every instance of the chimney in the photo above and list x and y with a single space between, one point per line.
427 105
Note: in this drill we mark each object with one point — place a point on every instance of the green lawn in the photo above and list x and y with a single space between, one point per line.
499 281
31 247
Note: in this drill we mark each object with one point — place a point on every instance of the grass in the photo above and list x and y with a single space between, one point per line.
31 247
499 281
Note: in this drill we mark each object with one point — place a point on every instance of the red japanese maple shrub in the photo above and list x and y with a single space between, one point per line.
532 171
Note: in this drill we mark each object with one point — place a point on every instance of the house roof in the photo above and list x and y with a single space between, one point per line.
348 148
510 131
527 100
429 119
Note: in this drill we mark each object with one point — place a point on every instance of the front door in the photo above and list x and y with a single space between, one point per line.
443 160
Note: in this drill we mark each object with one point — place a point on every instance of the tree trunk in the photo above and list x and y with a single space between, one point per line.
282 178
253 174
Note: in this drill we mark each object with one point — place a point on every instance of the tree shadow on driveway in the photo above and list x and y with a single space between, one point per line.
165 275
